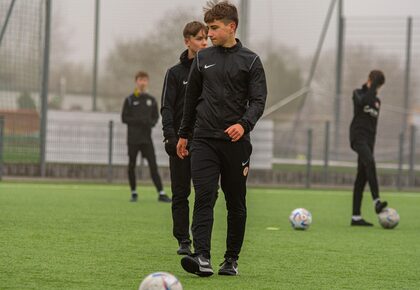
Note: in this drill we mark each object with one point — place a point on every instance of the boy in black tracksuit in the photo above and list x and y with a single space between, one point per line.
362 140
140 113
225 97
173 95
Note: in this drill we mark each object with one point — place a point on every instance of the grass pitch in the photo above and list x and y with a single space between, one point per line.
90 237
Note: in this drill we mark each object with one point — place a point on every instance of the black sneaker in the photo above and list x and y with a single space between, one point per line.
361 222
380 205
198 265
164 198
229 267
184 248
133 197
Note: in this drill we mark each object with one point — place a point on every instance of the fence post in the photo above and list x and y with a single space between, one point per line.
412 154
1 145
110 149
338 76
309 159
400 161
95 57
326 150
44 88
407 73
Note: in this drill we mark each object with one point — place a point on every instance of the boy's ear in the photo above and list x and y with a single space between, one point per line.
233 26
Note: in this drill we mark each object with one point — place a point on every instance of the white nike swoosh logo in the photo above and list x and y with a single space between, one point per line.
245 163
204 263
185 82
210 65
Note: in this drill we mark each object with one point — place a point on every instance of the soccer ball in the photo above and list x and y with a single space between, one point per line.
160 281
300 219
388 218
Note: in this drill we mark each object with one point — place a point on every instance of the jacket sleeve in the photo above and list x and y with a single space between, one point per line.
193 92
155 113
257 94
168 105
126 115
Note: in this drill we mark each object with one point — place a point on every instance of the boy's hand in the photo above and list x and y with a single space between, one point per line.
235 132
181 148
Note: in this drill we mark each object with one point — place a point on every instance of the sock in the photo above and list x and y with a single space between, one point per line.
356 218
133 192
375 201
161 192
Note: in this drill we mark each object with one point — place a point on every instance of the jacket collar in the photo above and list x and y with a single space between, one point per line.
184 59
364 90
234 48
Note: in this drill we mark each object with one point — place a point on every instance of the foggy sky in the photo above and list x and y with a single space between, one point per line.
294 22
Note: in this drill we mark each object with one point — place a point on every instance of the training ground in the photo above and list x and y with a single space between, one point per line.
71 236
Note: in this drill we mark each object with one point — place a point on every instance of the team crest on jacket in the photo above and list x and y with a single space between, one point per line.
149 103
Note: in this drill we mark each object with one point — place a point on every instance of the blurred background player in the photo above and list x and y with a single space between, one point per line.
140 113
225 97
362 139
173 96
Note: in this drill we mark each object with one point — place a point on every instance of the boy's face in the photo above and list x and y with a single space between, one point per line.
219 33
142 83
195 43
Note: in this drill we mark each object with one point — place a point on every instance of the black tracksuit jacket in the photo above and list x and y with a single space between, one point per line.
225 86
141 115
366 112
173 96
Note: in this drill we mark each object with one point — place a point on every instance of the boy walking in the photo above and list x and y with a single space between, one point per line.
173 96
225 97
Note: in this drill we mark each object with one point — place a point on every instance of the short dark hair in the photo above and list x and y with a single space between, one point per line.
193 28
141 74
377 77
223 11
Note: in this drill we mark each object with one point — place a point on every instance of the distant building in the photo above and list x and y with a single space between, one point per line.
70 102
20 122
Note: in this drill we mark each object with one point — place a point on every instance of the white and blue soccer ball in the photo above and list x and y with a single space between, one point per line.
300 219
389 218
160 281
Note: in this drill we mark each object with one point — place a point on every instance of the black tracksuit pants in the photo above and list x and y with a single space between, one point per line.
147 151
211 159
181 190
366 172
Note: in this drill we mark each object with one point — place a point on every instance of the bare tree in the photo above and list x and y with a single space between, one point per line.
154 53
284 77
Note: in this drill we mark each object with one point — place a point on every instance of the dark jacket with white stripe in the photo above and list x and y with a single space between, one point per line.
173 96
366 112
140 113
226 86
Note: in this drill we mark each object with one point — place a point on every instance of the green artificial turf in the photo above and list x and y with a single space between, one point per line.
90 237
